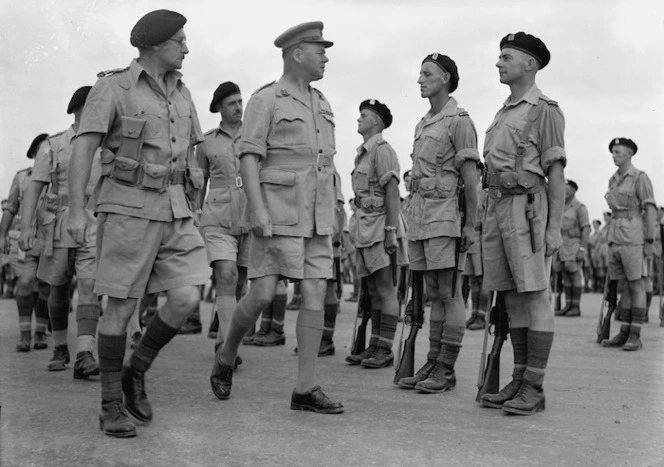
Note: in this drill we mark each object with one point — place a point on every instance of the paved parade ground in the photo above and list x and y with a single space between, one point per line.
604 407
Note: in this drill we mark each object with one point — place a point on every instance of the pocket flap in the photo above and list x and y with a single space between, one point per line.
107 156
132 127
45 217
427 183
196 177
508 179
155 170
528 179
125 163
277 177
372 202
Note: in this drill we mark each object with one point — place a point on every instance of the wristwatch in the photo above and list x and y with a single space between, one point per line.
648 240
390 228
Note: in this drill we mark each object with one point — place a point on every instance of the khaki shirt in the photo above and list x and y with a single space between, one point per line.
630 192
171 130
293 135
443 143
376 164
19 183
575 219
52 167
226 201
545 143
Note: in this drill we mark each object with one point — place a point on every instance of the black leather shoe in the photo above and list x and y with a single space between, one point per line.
381 358
60 358
421 375
527 401
40 341
114 421
221 380
136 401
315 400
357 359
496 401
23 345
440 379
85 366
326 349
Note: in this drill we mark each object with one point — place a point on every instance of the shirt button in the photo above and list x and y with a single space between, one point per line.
170 103
172 120
175 159
173 139
318 131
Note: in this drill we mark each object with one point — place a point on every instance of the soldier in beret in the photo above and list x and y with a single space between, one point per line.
444 159
523 218
24 264
286 150
221 218
569 259
63 256
631 240
380 231
144 118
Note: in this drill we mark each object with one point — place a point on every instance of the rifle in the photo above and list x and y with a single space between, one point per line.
558 284
457 244
406 366
364 308
488 381
338 286
393 266
404 281
530 215
660 279
611 296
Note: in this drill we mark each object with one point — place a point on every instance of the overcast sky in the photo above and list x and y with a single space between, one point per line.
606 70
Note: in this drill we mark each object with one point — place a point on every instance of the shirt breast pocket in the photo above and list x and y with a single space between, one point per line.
183 123
154 123
289 129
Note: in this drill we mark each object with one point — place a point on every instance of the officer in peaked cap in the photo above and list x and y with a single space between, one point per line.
284 168
141 196
517 175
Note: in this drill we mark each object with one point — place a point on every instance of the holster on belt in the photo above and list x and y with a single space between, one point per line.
46 221
126 166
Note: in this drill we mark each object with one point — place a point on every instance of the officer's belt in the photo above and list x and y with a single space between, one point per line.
177 177
625 214
225 182
525 182
276 157
431 193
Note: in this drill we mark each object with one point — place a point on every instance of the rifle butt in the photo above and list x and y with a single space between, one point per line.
406 367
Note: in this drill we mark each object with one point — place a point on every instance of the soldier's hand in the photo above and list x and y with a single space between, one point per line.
260 223
553 241
390 242
25 241
581 255
467 237
648 250
77 221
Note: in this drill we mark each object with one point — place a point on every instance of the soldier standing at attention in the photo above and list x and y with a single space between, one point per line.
380 230
286 150
144 116
444 163
570 257
221 219
23 263
523 150
631 240
63 255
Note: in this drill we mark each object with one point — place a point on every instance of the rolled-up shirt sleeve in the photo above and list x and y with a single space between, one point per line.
12 200
255 129
387 165
464 138
644 191
552 137
41 172
99 112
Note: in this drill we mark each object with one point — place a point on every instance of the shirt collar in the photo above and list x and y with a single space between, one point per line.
286 88
221 130
631 172
70 134
531 96
448 110
136 70
370 143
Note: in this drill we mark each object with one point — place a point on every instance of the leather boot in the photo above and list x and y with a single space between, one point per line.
326 348
136 401
471 320
496 401
421 375
478 324
270 339
85 366
528 400
441 379
294 303
221 380
24 343
634 339
619 339
114 421
40 341
315 400
366 353
381 358
60 358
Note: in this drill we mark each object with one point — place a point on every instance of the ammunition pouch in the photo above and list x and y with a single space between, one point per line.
626 214
515 182
442 187
371 203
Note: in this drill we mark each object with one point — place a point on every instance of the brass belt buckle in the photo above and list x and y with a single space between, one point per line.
238 182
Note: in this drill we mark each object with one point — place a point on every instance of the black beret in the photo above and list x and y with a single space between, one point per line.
529 44
623 142
35 145
573 184
222 92
448 66
305 32
380 109
78 98
156 27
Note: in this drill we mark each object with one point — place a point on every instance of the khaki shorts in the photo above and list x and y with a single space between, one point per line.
509 262
433 254
567 266
473 265
26 266
139 256
222 246
375 258
59 268
627 262
293 258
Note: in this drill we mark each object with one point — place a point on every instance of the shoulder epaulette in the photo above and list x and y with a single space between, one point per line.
24 170
53 136
320 94
463 113
107 73
263 87
549 101
210 132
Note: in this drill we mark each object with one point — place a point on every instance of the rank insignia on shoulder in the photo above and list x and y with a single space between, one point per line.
104 74
463 114
549 101
326 112
264 86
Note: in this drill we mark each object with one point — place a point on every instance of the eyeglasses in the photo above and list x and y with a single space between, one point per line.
182 42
